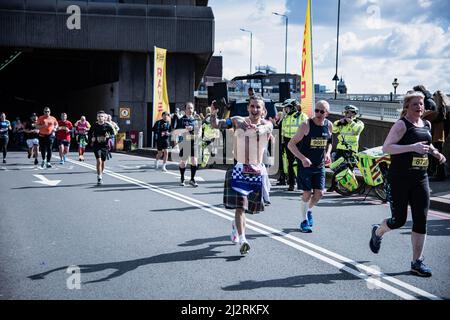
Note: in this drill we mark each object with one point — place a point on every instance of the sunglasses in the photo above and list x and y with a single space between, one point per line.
47 111
319 111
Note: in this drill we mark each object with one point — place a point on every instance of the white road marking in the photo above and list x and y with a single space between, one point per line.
45 181
292 241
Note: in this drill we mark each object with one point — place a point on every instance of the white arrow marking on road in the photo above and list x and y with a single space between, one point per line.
45 181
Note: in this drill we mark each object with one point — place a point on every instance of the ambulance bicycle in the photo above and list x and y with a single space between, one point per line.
373 165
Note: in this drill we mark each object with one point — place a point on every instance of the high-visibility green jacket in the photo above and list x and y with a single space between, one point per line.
350 132
291 123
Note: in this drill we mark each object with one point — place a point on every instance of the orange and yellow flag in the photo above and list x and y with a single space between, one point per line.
307 75
160 96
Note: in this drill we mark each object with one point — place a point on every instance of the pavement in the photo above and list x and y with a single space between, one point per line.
142 236
440 190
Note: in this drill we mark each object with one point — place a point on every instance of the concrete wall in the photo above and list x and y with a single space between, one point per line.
87 102
136 87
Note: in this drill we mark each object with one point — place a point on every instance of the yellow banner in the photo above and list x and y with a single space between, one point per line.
160 96
307 78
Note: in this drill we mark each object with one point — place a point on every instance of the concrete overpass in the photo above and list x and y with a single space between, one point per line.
105 62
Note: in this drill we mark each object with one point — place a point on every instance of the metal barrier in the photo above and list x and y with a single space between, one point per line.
370 106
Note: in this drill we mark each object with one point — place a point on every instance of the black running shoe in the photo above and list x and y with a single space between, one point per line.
36 162
245 248
193 183
418 268
375 241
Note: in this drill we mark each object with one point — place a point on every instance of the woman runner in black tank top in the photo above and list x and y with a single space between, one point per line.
409 143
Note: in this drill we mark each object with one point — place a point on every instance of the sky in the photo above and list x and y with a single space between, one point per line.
379 40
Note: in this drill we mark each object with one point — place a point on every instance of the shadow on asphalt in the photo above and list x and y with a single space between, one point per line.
434 228
299 281
123 267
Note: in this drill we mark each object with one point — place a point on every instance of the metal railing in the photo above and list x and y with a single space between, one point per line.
370 105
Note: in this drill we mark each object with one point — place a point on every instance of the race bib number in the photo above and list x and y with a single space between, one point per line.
101 139
420 162
319 143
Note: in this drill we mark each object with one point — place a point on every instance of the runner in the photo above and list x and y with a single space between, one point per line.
47 126
5 126
82 127
162 130
315 138
112 140
101 132
408 143
63 137
32 136
190 129
243 182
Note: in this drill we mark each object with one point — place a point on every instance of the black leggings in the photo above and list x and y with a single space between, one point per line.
290 159
413 190
46 144
4 145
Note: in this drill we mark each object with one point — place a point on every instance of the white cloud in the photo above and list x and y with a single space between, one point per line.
425 3
370 58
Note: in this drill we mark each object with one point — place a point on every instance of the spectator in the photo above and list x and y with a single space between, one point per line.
429 102
441 131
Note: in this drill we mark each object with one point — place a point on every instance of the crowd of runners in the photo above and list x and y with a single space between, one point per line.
307 141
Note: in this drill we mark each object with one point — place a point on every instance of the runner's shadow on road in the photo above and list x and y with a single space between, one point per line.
199 242
292 282
348 203
180 209
434 228
51 187
123 267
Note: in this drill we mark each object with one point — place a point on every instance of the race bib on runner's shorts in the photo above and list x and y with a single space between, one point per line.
420 162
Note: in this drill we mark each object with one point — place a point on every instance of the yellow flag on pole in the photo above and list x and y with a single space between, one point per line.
160 96
307 75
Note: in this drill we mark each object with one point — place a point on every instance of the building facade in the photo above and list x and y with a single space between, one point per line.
82 56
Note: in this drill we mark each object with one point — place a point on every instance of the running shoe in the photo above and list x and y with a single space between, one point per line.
29 154
310 218
36 162
64 158
375 241
193 183
43 164
267 203
304 227
418 268
164 169
245 247
61 162
49 165
182 183
99 181
234 234
4 160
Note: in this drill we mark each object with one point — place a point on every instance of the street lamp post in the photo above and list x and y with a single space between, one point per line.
395 84
286 42
336 77
251 47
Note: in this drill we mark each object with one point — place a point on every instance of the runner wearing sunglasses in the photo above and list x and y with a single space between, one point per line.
314 151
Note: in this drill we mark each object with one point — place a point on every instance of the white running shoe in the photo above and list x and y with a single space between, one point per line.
164 169
234 234
156 164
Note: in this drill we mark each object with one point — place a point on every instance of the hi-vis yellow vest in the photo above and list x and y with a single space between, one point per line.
350 132
291 123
